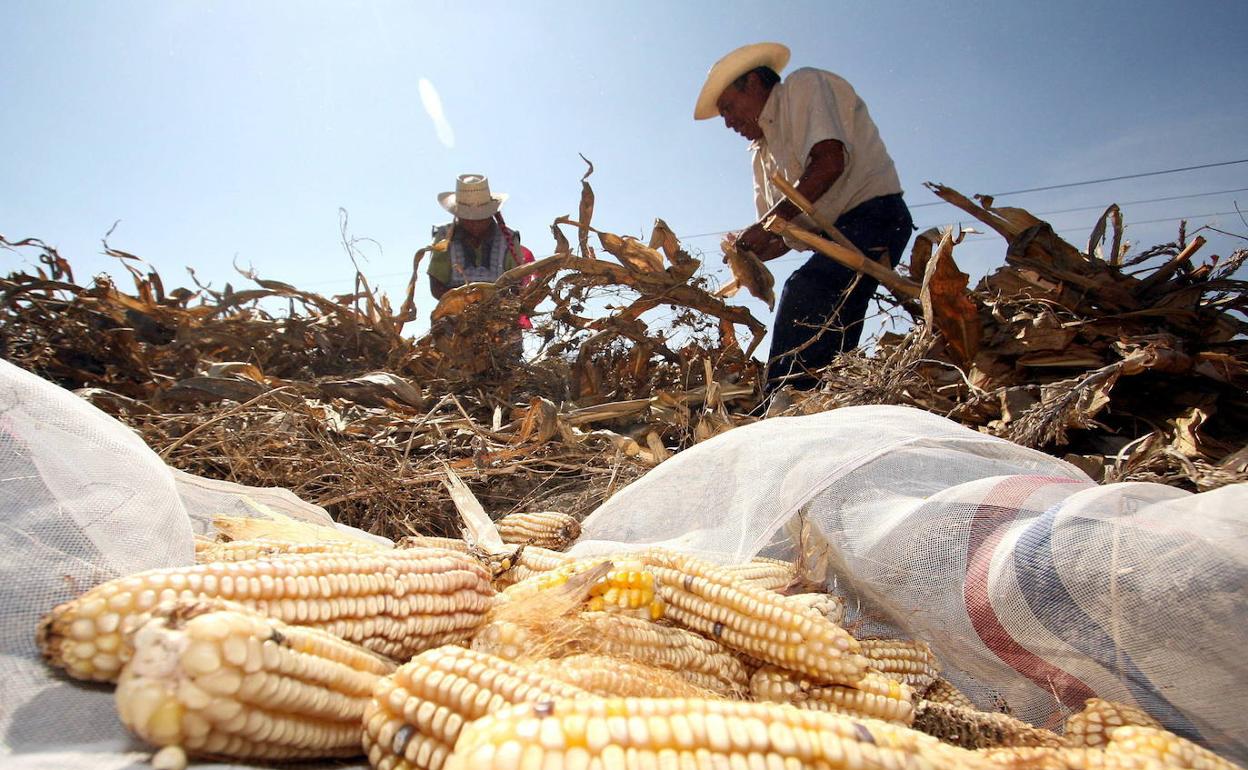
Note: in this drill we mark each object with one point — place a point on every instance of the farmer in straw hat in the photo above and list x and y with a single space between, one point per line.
478 244
814 130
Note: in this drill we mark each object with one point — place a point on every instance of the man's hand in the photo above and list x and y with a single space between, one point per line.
761 243
755 239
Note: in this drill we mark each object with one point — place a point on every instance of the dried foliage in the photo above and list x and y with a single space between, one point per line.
326 396
1132 372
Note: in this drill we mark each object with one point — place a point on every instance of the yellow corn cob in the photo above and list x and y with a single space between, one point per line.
827 605
612 677
532 560
625 586
762 572
415 716
911 662
1164 746
979 729
637 733
943 691
545 529
246 550
1049 758
761 623
233 683
875 696
393 602
702 662
1091 727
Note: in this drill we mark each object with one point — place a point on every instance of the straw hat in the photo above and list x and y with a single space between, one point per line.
472 198
733 66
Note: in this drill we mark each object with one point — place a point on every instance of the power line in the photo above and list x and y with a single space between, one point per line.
1124 203
1113 179
1055 187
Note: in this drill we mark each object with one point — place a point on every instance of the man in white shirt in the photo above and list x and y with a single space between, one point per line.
815 130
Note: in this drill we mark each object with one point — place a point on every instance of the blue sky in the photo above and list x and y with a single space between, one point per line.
232 132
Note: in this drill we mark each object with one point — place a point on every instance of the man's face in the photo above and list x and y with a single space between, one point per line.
740 108
474 227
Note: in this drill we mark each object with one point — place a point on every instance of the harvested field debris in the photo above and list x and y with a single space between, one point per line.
1133 366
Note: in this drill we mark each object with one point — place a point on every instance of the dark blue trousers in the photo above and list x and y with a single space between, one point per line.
815 296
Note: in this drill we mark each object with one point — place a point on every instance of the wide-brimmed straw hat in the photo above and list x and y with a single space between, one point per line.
472 198
733 66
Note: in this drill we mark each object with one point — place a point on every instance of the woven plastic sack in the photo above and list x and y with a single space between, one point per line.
84 500
1032 583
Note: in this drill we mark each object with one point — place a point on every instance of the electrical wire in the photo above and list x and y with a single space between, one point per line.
1062 186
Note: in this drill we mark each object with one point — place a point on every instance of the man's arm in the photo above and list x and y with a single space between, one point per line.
824 166
436 287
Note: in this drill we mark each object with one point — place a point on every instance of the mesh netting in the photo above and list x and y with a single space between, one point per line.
84 500
1032 583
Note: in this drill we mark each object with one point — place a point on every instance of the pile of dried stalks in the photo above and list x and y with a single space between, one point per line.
1140 373
1134 371
275 386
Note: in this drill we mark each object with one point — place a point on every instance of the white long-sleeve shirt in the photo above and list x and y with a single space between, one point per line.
811 106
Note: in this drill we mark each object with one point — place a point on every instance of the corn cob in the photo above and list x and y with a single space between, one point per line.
280 527
246 550
702 662
544 529
428 541
1092 726
827 605
906 661
1166 747
972 729
233 683
612 677
623 586
415 716
1049 758
874 697
393 602
202 542
531 560
636 733
762 572
763 624
943 691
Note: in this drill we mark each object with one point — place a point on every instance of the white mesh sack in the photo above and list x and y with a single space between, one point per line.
84 500
1031 582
